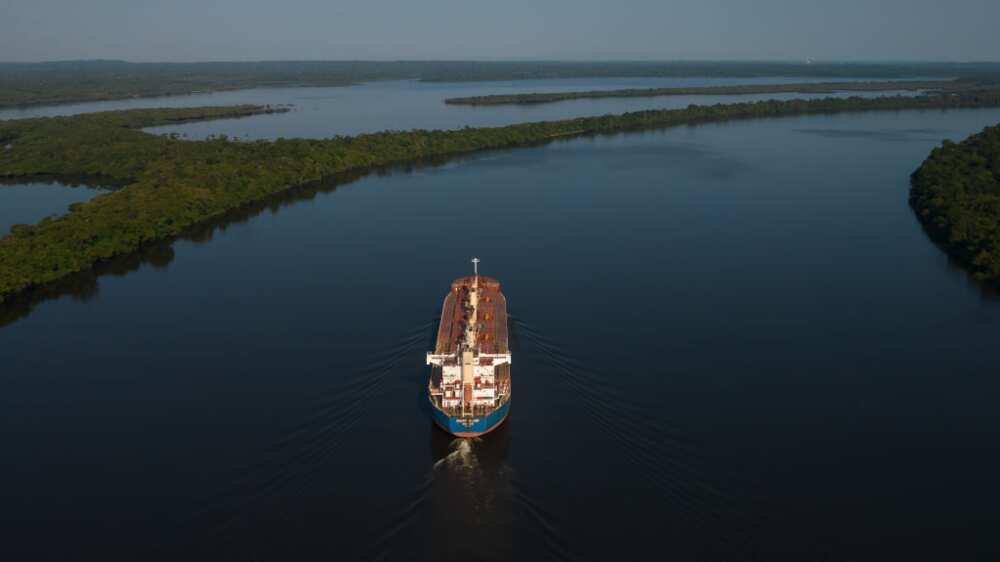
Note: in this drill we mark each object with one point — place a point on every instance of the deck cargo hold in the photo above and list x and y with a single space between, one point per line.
469 387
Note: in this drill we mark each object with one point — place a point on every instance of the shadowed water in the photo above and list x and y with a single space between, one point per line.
29 201
731 342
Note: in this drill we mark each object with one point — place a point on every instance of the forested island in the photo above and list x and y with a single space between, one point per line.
956 195
26 84
743 89
174 184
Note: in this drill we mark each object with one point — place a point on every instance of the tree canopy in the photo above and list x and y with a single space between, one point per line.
732 90
23 84
173 184
956 195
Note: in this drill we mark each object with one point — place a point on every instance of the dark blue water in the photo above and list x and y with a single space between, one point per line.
731 342
31 201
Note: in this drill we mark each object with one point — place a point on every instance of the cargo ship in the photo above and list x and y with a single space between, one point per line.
469 388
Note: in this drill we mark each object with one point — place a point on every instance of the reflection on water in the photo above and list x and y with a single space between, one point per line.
83 285
464 507
470 507
768 363
27 200
470 504
897 135
986 291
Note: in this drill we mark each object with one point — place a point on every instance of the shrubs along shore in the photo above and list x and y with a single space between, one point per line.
956 195
734 90
173 184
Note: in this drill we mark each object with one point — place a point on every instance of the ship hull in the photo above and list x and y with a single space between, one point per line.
470 427
470 364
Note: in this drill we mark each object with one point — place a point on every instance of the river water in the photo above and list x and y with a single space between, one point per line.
30 202
407 104
731 342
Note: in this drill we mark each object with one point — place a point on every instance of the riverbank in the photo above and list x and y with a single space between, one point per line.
956 195
175 184
747 89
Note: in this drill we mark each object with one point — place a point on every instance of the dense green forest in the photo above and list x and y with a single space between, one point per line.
806 88
956 195
174 184
23 84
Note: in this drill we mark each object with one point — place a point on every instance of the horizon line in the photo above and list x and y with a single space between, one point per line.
802 61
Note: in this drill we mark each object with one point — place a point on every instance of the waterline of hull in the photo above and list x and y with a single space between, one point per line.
478 426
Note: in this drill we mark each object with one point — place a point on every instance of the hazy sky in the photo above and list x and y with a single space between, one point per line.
185 30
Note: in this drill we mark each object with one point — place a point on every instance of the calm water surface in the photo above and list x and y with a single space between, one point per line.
731 341
401 105
30 202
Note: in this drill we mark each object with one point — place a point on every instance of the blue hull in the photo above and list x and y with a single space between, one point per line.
470 427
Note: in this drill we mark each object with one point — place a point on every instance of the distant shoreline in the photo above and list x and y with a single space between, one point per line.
956 195
98 97
175 184
728 90
24 85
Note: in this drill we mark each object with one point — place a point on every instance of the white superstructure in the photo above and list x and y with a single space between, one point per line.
468 376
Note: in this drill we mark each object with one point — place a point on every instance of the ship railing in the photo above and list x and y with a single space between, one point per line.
476 411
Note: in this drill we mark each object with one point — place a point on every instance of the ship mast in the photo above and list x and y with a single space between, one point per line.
463 357
471 331
468 359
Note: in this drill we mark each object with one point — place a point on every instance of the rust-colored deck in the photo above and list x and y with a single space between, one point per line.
492 317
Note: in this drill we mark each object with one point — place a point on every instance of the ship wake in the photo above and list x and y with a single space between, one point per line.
295 461
659 454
